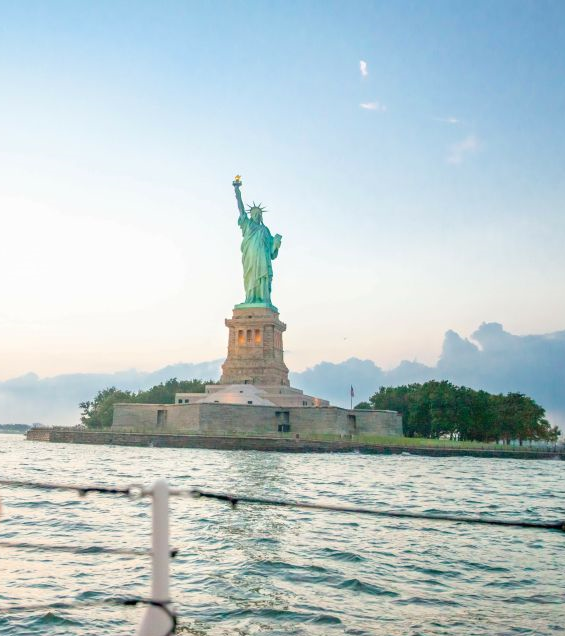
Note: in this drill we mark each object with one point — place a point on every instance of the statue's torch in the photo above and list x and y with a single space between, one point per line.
236 181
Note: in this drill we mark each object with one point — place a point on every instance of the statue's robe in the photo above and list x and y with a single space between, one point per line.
258 249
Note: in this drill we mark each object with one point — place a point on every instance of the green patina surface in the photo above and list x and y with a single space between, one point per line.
258 249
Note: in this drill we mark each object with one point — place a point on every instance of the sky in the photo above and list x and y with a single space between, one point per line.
411 154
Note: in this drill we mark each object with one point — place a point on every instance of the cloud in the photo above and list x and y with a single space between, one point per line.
330 380
54 401
448 120
460 150
377 106
363 68
491 359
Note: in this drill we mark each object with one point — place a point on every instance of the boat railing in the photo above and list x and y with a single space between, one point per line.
159 618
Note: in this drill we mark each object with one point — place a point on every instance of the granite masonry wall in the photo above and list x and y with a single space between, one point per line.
282 444
230 419
146 418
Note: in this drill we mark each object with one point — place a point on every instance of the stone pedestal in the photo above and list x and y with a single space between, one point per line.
255 347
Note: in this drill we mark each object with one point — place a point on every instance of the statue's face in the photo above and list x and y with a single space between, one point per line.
256 214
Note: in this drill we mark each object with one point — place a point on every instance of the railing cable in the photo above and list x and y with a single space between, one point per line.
233 500
127 602
89 549
137 491
131 490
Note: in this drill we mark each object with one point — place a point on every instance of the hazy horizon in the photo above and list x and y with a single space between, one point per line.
491 359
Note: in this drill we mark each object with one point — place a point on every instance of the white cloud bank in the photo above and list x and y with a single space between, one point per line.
54 401
363 68
493 360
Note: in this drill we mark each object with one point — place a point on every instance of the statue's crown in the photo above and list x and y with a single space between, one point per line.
256 206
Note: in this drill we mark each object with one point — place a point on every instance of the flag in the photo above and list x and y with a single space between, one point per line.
352 392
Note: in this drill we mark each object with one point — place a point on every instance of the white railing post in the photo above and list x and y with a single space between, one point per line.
155 621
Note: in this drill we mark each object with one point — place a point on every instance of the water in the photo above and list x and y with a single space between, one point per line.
256 570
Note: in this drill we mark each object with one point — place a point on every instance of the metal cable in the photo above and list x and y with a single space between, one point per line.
137 491
127 602
235 499
134 491
131 490
91 549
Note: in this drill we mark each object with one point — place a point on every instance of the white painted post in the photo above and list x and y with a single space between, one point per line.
155 622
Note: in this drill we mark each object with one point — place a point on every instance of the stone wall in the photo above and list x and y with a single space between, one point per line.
389 422
39 434
146 418
280 444
229 419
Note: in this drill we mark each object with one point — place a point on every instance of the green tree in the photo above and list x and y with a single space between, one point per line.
478 422
99 412
441 409
164 393
393 399
363 406
518 417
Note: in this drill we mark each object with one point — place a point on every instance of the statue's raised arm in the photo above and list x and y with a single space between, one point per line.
237 185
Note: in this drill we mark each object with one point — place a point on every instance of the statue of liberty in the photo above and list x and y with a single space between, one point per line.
258 249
